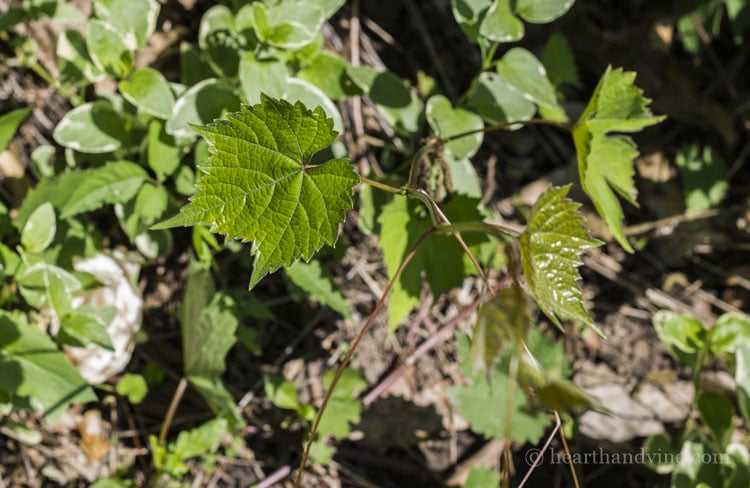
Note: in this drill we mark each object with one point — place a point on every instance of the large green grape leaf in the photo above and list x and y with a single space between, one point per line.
258 185
605 156
550 247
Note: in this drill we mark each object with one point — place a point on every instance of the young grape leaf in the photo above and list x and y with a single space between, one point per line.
501 322
550 247
605 157
259 186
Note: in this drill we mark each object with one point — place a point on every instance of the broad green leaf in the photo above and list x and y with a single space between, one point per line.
163 154
551 245
469 15
717 412
441 259
464 176
393 96
683 336
9 122
42 161
201 104
219 40
135 20
499 23
605 156
484 404
267 76
193 66
208 325
501 323
482 478
200 440
39 230
742 378
151 202
311 96
729 332
314 280
281 392
148 90
108 49
493 98
132 386
54 190
35 371
327 71
91 128
525 74
329 7
343 408
74 61
287 24
542 11
275 198
704 175
691 470
557 59
115 182
219 400
46 284
447 121
87 325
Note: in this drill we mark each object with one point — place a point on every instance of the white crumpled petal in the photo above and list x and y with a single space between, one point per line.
95 363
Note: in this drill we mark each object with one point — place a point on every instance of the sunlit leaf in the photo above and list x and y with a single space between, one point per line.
550 253
605 156
288 207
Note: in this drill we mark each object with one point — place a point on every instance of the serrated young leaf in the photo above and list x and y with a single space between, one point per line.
259 186
36 371
133 386
115 182
314 280
551 245
605 156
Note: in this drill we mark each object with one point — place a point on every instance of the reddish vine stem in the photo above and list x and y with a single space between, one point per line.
350 353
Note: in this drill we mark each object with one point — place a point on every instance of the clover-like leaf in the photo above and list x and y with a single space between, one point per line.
258 185
550 253
605 156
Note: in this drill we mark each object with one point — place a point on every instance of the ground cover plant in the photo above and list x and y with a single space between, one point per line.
233 229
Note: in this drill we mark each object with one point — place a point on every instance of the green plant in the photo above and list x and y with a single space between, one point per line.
235 135
710 454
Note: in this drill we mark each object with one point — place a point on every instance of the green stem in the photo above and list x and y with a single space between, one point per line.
381 186
501 232
488 55
504 126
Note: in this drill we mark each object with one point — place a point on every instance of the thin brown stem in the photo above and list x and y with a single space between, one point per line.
567 451
350 353
181 386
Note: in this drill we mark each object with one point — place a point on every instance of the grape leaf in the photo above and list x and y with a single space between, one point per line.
605 156
550 247
502 321
343 408
259 186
